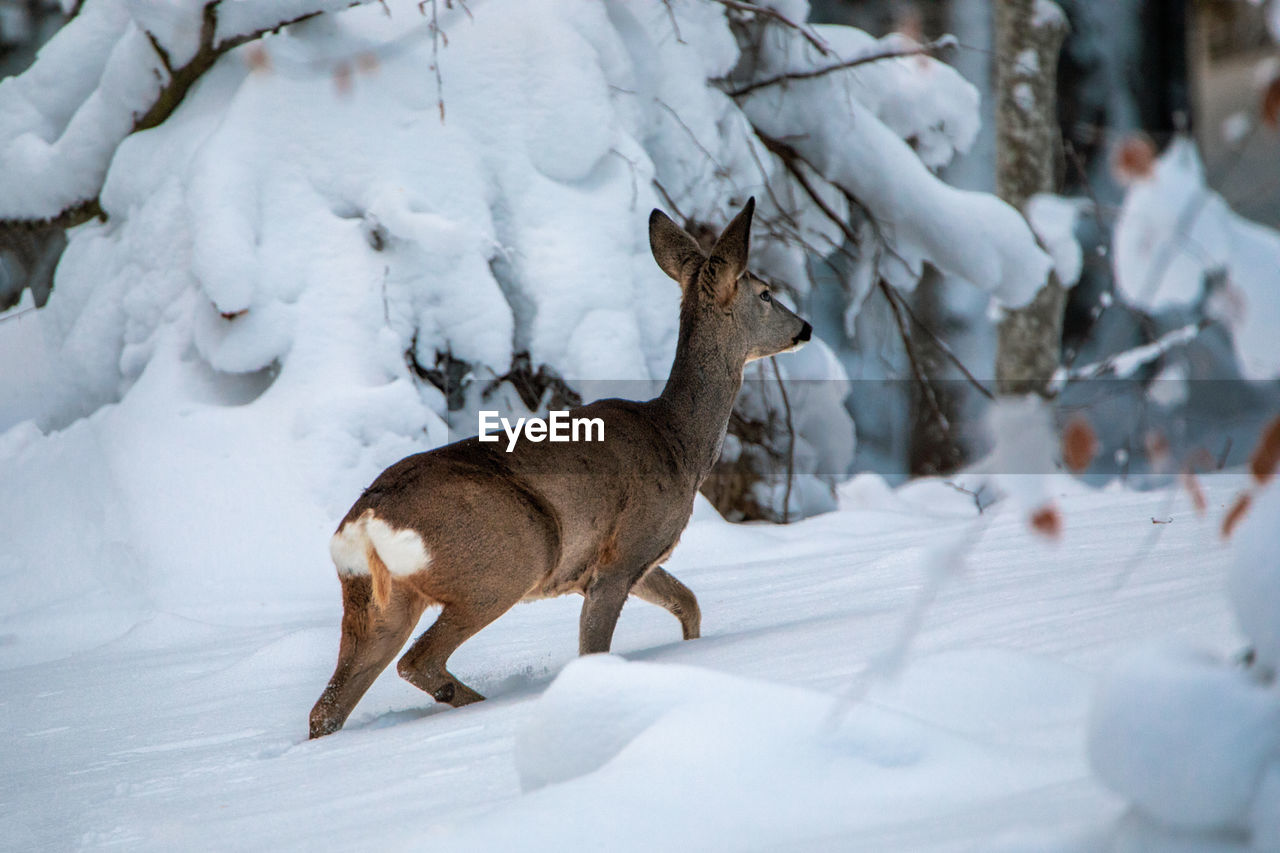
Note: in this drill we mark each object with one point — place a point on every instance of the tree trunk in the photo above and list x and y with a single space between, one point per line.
1028 36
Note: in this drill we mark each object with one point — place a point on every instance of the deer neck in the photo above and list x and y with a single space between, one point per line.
700 392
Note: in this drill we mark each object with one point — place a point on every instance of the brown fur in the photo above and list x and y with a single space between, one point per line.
549 519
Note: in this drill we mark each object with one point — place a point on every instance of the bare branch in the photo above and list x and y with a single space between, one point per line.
671 203
916 368
720 171
160 51
791 159
929 48
437 35
946 350
77 214
976 494
764 12
675 27
210 51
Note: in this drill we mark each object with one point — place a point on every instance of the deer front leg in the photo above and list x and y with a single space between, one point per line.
604 597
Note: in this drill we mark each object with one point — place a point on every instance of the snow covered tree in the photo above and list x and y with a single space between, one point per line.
400 213
27 256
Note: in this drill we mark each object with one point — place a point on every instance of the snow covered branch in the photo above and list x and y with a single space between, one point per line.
928 49
1124 364
971 235
112 70
210 50
774 14
796 165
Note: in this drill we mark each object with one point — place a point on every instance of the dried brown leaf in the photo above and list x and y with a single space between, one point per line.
1134 159
1047 521
1237 511
1270 106
1079 443
257 58
1191 483
342 78
1157 446
1266 456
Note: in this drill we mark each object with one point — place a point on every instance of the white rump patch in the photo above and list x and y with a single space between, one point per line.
403 551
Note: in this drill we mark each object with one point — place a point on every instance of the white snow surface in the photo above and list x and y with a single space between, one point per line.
1173 230
221 369
170 615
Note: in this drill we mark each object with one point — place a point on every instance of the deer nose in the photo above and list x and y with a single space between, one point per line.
804 334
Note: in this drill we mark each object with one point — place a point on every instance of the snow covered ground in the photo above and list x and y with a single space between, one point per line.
180 722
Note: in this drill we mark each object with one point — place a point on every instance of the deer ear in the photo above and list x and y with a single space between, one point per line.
674 250
731 249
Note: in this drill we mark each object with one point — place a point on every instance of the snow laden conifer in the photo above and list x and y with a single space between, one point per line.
384 218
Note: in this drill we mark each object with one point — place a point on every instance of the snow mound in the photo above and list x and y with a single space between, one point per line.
1184 737
1253 579
670 754
599 704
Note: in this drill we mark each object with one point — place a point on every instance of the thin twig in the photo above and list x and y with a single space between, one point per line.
976 495
768 187
720 171
896 53
790 158
160 51
916 368
791 444
1222 457
436 36
671 203
1078 162
675 27
764 12
943 348
16 314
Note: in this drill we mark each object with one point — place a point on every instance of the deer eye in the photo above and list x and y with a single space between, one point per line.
764 294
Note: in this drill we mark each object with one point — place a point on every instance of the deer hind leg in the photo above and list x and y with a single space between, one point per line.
371 636
660 588
424 665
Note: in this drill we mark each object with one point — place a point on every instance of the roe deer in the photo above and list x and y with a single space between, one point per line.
476 529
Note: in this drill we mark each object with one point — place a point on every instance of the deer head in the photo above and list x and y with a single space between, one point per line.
719 296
